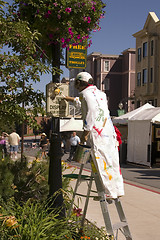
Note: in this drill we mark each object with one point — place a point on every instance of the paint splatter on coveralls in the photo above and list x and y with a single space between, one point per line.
103 140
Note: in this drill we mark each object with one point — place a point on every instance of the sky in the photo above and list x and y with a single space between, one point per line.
122 19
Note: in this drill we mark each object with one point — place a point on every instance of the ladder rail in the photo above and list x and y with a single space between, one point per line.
75 189
87 201
112 229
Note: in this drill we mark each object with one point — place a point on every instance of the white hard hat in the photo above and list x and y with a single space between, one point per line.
43 134
84 76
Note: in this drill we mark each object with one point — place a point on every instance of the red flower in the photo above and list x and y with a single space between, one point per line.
77 211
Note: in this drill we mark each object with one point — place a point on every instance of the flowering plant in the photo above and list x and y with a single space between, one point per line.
60 20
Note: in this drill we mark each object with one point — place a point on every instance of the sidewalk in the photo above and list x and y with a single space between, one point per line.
142 209
141 206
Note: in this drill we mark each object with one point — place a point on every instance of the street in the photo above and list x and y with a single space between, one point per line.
137 174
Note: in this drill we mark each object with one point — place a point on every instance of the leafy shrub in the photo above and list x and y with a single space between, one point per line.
17 180
33 221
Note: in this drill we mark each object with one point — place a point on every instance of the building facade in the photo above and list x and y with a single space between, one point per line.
148 62
114 75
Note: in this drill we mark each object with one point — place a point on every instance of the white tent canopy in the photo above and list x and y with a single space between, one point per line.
151 114
140 135
124 118
71 125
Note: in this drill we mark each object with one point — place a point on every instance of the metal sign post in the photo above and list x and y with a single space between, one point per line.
56 107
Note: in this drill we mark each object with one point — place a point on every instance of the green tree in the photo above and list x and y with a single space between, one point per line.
19 70
33 33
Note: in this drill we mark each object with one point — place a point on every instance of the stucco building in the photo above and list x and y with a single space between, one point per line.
147 88
114 75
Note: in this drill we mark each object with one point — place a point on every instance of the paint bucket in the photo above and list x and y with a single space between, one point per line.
82 154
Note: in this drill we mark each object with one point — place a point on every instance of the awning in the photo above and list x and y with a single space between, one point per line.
71 125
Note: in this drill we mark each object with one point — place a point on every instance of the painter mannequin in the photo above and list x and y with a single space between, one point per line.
100 133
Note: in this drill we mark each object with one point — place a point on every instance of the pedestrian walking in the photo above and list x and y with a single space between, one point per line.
100 133
74 141
3 148
44 142
14 140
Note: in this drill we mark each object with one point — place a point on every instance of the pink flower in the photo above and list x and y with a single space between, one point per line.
55 4
68 10
58 16
64 45
68 39
74 44
78 36
62 40
47 14
89 19
102 16
85 19
93 9
70 32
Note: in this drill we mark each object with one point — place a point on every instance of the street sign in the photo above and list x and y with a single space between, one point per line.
76 56
56 106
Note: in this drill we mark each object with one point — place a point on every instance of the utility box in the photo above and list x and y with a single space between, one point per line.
56 106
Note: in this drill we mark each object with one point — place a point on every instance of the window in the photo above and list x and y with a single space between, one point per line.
106 66
144 81
138 103
145 49
139 54
155 102
139 79
151 75
98 66
106 84
152 46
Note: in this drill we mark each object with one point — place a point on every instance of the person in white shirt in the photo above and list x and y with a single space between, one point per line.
13 140
74 141
100 133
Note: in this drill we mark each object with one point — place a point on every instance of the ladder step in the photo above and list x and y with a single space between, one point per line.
83 195
75 176
119 225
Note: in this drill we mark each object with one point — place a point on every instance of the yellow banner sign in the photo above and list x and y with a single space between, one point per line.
76 56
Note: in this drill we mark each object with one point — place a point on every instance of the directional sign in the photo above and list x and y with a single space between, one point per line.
56 106
76 56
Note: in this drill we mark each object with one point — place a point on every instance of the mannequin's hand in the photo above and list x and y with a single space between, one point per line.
67 98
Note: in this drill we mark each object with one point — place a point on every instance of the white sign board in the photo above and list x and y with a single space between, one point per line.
56 106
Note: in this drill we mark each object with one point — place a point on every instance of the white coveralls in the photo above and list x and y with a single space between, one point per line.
104 147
